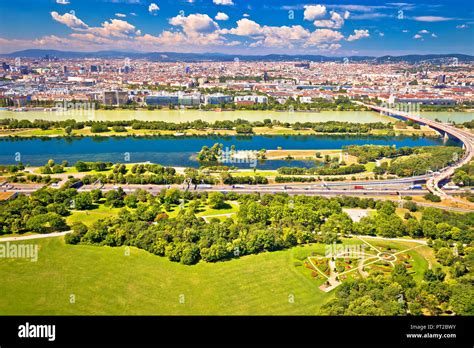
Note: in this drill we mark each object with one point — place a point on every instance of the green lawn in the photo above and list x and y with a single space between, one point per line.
73 170
88 217
370 166
38 132
207 211
106 281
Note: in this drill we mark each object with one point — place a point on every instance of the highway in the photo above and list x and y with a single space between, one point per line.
290 189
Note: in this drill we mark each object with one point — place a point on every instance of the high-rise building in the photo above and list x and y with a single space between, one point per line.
115 97
162 100
218 98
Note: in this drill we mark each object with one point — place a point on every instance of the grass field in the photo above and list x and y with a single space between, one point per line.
105 280
88 217
275 130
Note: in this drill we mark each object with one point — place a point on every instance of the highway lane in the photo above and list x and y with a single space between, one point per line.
293 189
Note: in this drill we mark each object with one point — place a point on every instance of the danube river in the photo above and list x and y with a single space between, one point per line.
178 116
181 151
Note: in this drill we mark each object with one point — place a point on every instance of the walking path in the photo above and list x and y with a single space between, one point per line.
34 236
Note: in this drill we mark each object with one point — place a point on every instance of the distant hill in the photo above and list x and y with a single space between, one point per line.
197 57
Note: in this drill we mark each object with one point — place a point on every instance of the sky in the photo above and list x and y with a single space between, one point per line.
333 28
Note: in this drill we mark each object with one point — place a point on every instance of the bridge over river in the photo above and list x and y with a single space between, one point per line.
433 181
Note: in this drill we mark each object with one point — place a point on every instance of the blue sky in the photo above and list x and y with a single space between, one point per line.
359 27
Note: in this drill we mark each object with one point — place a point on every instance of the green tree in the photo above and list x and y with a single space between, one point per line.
445 256
83 201
335 225
400 275
114 198
216 200
81 166
462 299
78 231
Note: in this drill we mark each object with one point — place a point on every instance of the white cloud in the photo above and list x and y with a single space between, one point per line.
70 20
417 36
115 28
335 22
121 15
462 26
195 23
221 16
358 8
62 2
166 38
269 36
434 35
431 19
245 15
89 37
153 8
245 27
294 36
311 12
323 37
424 31
370 15
223 2
358 34
329 47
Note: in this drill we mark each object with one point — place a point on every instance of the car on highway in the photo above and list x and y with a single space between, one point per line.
451 187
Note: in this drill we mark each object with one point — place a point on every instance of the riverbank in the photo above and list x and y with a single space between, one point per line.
424 131
187 115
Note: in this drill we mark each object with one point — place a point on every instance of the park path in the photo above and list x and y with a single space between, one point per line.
33 236
419 241
206 217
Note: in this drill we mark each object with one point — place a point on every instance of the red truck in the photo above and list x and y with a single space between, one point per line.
358 187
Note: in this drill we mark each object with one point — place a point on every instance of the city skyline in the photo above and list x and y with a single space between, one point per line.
239 27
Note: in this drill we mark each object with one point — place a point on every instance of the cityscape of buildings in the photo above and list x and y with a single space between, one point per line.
117 82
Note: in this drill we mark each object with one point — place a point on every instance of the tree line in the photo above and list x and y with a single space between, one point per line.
241 126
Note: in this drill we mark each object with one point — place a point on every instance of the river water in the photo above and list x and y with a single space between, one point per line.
181 151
